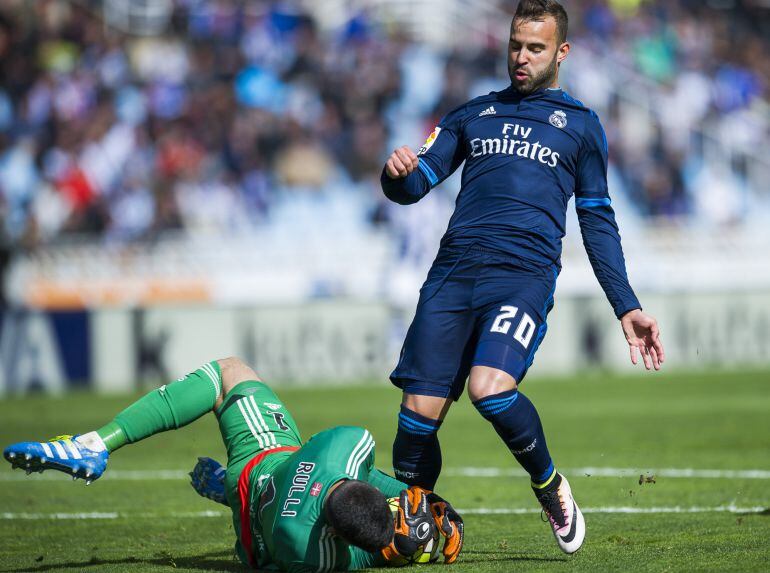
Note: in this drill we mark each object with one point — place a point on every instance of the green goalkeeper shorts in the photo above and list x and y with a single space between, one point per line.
252 421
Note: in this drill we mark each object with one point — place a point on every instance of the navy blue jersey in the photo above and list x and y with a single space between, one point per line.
525 156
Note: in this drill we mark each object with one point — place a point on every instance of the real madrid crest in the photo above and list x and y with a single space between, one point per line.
558 119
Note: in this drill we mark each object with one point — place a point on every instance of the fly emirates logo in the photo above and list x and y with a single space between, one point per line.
514 142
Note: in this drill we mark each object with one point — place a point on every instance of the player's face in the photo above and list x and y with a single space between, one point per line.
534 54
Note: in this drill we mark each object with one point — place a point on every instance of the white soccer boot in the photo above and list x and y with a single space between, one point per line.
567 523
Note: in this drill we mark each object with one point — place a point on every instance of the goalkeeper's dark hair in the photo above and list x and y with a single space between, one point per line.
537 10
360 514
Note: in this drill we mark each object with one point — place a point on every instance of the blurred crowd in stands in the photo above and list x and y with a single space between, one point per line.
245 114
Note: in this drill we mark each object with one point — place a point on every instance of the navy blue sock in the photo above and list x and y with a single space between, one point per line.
516 421
416 450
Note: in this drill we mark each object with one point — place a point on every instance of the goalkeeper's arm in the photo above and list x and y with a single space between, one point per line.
388 485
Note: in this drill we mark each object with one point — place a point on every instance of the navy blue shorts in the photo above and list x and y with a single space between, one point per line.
476 308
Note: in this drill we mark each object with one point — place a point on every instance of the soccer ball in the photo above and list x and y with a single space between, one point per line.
428 553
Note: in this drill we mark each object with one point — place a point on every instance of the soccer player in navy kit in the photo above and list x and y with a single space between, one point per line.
482 309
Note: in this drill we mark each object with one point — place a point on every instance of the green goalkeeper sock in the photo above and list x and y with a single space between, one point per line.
168 408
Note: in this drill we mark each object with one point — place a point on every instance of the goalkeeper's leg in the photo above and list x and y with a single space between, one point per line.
169 407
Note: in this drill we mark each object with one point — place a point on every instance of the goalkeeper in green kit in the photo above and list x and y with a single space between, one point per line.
321 506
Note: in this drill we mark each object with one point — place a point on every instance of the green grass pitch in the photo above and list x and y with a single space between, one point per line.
647 424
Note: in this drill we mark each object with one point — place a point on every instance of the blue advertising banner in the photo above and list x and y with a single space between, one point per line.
44 351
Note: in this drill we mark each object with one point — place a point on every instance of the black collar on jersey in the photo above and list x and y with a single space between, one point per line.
513 93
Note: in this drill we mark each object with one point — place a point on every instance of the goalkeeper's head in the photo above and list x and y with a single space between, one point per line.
360 514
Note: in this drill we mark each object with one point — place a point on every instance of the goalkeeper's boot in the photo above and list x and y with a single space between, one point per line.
63 453
567 523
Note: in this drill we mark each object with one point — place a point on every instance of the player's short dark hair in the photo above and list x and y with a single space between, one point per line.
360 514
539 9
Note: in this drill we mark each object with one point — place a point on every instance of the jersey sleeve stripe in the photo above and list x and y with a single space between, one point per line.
354 458
333 552
360 456
588 203
321 552
326 557
428 172
362 459
360 443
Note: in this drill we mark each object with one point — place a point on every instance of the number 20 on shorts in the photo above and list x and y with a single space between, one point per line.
524 330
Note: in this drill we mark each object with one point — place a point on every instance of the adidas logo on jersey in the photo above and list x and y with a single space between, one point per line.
489 111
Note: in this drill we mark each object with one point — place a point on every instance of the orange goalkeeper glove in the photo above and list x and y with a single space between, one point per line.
414 524
450 524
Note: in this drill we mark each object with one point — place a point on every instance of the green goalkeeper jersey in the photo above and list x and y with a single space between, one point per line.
289 528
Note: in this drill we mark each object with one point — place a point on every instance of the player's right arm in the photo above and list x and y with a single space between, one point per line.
407 177
401 163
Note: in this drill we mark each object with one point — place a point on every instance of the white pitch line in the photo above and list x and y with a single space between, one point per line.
109 515
112 475
481 472
621 509
615 472
81 515
473 511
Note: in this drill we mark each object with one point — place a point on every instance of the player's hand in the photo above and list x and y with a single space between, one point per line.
208 479
642 334
401 162
450 524
414 526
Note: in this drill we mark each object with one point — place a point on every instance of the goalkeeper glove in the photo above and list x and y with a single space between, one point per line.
450 524
208 479
414 526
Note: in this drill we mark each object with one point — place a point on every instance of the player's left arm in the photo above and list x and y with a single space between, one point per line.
366 471
361 465
642 334
388 485
602 243
358 559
